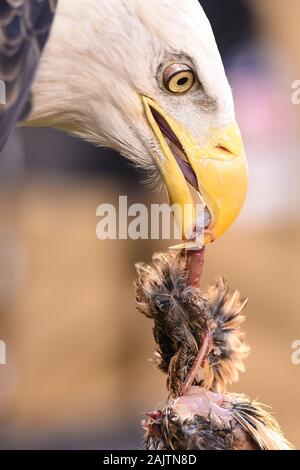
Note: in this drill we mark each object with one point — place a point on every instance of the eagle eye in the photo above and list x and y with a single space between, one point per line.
179 78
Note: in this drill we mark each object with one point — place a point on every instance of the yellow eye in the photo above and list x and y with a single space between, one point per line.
179 78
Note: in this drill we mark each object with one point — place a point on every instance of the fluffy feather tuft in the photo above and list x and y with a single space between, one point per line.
183 315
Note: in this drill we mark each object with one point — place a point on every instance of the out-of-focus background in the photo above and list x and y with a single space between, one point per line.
77 373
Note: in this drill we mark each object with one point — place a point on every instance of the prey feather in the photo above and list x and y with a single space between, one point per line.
201 348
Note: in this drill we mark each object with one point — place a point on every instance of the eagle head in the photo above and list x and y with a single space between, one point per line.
146 78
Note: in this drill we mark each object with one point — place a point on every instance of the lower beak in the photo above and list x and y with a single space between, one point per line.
218 170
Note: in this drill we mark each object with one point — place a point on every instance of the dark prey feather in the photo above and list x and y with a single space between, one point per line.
200 346
183 315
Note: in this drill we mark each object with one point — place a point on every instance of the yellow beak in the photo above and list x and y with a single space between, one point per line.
220 168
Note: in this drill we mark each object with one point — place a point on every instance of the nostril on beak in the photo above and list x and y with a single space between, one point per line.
229 141
223 149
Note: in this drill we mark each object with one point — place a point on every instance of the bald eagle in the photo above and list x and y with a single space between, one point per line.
142 77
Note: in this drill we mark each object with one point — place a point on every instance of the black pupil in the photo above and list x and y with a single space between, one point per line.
182 81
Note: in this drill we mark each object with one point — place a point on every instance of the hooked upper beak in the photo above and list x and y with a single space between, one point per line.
217 170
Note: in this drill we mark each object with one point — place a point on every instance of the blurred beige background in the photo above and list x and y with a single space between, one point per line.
78 374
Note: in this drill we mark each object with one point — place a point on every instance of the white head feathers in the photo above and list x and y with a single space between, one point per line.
103 54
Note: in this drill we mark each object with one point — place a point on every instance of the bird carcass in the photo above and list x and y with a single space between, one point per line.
201 348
